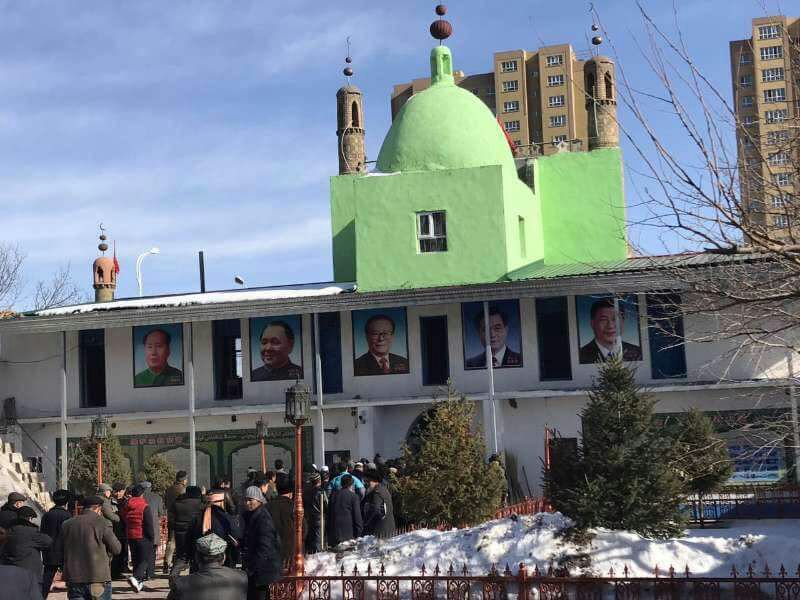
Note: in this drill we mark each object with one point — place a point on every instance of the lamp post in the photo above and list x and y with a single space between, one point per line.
99 435
261 433
141 257
297 413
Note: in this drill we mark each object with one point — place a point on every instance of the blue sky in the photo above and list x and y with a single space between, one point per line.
210 125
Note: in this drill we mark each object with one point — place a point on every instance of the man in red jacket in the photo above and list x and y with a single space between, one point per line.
139 525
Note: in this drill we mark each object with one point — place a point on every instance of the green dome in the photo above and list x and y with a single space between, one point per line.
444 127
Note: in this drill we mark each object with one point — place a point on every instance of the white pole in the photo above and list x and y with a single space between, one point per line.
192 431
793 402
490 368
139 273
63 420
318 374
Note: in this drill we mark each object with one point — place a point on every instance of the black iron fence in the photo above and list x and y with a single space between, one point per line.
746 503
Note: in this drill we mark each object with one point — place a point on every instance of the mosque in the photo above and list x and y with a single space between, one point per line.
453 261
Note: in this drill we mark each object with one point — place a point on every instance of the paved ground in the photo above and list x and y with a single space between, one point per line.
156 589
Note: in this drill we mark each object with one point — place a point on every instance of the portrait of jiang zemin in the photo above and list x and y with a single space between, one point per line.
380 342
276 348
157 355
505 334
606 330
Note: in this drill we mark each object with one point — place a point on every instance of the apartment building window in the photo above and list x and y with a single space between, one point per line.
782 179
534 73
777 137
555 60
771 52
778 159
747 101
558 121
748 120
557 139
555 101
508 66
746 58
511 106
511 86
775 95
432 231
774 74
780 221
511 126
781 201
769 32
490 91
776 116
746 80
555 80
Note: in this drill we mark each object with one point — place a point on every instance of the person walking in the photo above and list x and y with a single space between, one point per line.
139 527
314 508
212 580
345 513
24 543
183 512
261 547
86 543
156 505
378 509
52 521
173 492
347 469
119 563
8 512
104 491
18 584
213 519
281 510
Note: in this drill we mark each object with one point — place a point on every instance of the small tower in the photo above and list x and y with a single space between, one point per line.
104 272
601 102
350 125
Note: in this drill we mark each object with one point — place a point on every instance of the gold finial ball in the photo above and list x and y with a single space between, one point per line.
597 40
102 247
441 10
348 72
441 29
103 237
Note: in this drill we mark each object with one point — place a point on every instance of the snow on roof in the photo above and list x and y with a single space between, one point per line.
243 295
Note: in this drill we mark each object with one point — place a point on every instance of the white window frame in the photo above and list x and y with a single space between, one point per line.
509 66
554 60
769 32
746 80
512 85
555 80
771 52
426 231
776 116
778 159
559 138
558 121
746 58
555 101
772 74
782 179
775 95
778 136
780 221
510 106
748 101
511 126
748 120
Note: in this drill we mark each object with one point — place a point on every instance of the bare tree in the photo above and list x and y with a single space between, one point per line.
11 260
61 290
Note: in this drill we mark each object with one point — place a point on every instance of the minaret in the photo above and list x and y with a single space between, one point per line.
104 273
601 99
350 125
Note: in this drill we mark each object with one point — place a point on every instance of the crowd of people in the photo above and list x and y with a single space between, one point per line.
225 543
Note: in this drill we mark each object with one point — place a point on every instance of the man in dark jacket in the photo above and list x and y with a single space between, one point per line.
378 510
314 507
139 527
175 491
89 541
104 491
345 520
8 512
19 584
156 505
184 510
24 543
281 510
213 519
51 525
212 580
119 564
262 552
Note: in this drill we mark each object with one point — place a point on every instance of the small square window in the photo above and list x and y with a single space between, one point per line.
512 106
511 86
508 66
554 60
555 101
511 126
746 80
774 74
558 121
771 52
559 138
776 116
782 179
746 58
775 95
747 101
432 231
769 32
555 80
780 221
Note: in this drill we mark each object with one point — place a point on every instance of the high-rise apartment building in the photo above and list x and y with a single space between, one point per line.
765 72
538 96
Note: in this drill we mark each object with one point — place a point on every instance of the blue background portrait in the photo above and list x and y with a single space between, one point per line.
175 331
583 306
471 338
258 324
400 343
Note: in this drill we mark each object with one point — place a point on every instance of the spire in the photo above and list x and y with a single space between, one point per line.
441 57
350 124
104 271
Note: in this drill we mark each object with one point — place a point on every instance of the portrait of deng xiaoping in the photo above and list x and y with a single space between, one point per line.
276 348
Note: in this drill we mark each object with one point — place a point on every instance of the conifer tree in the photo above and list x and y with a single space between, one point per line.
628 480
82 465
446 478
159 472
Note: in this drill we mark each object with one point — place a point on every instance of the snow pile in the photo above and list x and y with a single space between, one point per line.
534 540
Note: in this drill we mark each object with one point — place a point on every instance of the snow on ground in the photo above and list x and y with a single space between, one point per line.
532 540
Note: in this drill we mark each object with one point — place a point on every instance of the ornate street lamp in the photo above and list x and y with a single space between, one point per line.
99 435
297 413
261 433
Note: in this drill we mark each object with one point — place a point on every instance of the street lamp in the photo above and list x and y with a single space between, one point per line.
297 413
99 435
261 433
153 250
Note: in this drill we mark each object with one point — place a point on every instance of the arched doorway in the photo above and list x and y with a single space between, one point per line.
179 458
250 457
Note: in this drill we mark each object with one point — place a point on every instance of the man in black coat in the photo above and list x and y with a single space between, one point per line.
345 513
24 544
51 525
156 505
281 510
182 513
213 519
313 507
119 562
261 547
212 580
19 584
8 512
378 509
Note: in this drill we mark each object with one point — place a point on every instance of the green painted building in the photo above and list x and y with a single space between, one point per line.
448 203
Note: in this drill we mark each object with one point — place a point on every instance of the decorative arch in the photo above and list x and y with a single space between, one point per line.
609 86
590 84
354 116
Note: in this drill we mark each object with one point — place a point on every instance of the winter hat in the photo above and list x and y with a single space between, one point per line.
61 497
314 478
91 501
372 466
254 493
211 545
325 469
372 475
146 485
194 491
359 466
285 486
16 497
118 487
104 487
137 490
26 512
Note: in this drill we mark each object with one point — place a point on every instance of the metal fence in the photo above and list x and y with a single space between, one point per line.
746 503
533 584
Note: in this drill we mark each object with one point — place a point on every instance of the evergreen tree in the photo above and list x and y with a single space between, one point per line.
446 478
82 465
159 472
628 480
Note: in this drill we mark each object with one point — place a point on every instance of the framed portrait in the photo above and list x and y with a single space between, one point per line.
505 334
380 342
276 348
599 325
157 355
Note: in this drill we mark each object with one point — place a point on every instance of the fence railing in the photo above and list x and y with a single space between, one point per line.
525 584
746 503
